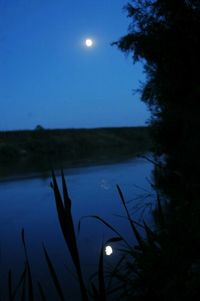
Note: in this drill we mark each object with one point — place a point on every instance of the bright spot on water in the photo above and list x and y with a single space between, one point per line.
108 250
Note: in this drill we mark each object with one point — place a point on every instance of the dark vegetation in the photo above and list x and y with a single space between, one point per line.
165 36
40 149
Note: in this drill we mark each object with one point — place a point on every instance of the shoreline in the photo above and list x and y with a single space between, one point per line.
29 154
47 173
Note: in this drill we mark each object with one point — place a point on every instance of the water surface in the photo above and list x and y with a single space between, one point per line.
29 204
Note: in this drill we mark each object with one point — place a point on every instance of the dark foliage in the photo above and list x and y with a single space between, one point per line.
165 35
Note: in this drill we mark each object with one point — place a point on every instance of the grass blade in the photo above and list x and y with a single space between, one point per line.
30 283
29 276
102 288
22 277
95 294
66 222
67 227
54 276
151 238
23 292
113 239
114 272
41 291
134 229
24 243
108 226
67 200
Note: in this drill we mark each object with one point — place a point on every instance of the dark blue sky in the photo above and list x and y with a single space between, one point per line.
48 76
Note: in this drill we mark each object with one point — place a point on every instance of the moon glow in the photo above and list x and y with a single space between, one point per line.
89 42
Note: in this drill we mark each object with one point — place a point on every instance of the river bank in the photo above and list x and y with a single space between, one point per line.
36 152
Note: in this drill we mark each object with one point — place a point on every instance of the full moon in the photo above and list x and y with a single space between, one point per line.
88 42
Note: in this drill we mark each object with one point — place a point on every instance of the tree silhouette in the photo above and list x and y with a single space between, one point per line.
165 36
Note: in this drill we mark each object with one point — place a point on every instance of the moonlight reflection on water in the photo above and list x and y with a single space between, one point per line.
108 250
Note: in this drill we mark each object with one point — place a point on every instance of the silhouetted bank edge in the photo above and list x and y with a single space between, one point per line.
33 152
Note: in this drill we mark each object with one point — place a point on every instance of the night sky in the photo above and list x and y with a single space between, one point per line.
49 77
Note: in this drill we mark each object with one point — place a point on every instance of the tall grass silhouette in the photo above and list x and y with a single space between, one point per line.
130 277
131 262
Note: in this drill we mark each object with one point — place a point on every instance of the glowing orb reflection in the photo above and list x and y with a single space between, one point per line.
108 250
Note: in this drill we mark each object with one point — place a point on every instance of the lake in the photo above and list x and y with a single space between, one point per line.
29 204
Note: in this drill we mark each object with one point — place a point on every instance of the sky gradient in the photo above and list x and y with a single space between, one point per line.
48 76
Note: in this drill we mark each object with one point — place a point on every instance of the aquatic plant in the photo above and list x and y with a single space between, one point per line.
147 245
